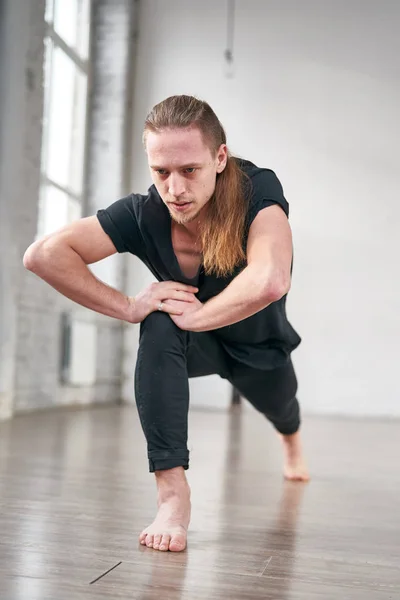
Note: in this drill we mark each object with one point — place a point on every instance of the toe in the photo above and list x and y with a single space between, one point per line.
157 541
164 545
149 540
142 537
178 543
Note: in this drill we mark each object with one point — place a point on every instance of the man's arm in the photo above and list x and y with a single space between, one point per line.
265 279
61 260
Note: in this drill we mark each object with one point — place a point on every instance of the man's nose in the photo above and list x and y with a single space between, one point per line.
176 185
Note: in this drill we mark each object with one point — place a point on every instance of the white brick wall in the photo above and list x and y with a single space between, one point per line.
30 311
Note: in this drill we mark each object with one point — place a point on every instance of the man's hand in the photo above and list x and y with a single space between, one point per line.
165 292
185 311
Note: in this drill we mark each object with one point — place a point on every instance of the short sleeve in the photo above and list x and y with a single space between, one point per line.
266 191
120 223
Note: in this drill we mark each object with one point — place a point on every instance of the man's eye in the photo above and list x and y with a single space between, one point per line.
190 170
161 171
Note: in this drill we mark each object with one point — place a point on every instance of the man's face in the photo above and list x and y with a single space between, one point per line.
184 170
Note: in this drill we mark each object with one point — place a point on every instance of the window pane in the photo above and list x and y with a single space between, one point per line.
74 210
84 28
49 10
78 133
66 20
61 104
65 122
53 210
72 23
56 209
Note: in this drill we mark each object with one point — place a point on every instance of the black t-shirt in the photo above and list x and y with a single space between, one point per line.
141 225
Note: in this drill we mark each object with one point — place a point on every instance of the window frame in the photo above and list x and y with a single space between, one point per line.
84 65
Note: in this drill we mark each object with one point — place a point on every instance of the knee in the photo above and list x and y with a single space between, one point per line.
159 331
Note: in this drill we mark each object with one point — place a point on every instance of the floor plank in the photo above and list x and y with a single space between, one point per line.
75 493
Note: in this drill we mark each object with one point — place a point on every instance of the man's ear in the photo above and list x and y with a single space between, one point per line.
222 158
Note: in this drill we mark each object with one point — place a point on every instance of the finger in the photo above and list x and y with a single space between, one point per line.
182 296
176 295
171 310
170 307
175 285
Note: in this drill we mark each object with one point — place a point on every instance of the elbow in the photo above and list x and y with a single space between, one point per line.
34 256
30 257
276 289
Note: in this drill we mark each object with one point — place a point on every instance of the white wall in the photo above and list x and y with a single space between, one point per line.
315 96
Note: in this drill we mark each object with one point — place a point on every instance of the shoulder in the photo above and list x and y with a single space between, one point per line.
133 205
139 202
263 188
263 181
123 219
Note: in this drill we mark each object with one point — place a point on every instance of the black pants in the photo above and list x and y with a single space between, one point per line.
167 357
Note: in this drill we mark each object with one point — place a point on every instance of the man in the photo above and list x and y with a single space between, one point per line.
214 232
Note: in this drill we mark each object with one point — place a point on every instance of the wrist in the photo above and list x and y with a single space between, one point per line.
129 310
195 321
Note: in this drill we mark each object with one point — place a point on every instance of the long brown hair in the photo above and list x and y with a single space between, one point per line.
223 228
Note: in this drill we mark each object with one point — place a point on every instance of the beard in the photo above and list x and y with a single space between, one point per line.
184 219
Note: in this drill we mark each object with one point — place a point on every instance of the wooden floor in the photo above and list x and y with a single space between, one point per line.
75 493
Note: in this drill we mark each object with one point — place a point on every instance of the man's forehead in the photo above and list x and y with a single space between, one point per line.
176 141
176 151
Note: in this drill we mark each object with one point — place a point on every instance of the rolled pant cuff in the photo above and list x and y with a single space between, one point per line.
168 460
288 429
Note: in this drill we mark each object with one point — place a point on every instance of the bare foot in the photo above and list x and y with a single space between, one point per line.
295 467
169 529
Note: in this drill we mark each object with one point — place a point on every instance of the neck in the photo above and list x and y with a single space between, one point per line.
193 227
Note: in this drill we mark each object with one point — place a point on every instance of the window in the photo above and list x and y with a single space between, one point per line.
66 67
